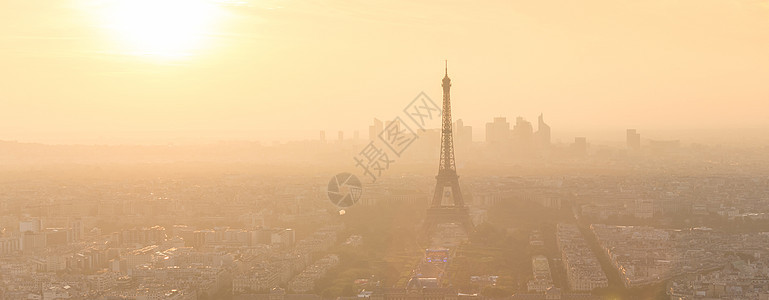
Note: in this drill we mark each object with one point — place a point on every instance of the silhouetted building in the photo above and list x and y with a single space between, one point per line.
463 135
522 131
523 136
323 136
498 132
633 139
341 136
543 132
375 129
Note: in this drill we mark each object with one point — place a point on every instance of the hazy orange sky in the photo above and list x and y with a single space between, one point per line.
113 71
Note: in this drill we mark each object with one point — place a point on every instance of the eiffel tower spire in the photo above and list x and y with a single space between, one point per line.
447 137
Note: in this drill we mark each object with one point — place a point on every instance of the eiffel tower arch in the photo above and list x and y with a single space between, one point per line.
447 205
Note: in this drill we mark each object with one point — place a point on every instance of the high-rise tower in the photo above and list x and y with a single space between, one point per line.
543 132
447 205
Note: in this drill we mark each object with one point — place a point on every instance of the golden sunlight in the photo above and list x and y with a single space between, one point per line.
160 28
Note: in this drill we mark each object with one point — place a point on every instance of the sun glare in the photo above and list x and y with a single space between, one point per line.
160 28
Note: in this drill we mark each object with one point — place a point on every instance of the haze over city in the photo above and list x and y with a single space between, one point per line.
386 150
117 72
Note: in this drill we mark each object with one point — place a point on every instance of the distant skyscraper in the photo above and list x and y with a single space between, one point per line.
543 132
579 147
633 139
522 131
375 129
323 136
355 135
498 132
341 136
463 135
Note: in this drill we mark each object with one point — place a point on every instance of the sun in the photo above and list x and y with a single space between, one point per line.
159 28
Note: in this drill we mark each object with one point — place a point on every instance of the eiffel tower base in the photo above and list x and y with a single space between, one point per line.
447 214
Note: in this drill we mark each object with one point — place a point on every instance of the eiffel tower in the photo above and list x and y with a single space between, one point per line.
447 205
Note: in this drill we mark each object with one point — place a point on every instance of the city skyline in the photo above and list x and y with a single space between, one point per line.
608 136
79 72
